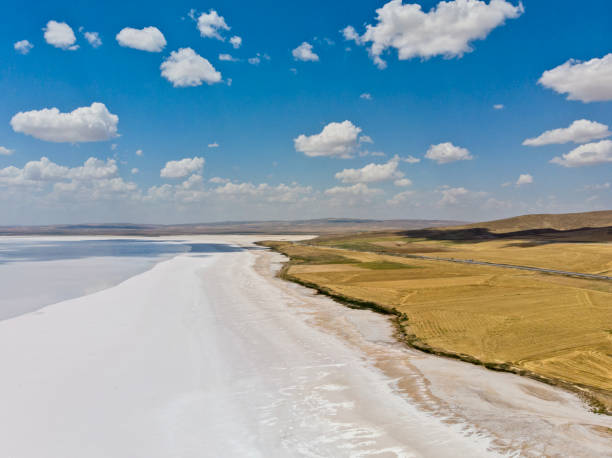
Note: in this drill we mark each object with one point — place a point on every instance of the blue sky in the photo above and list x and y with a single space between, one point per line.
439 95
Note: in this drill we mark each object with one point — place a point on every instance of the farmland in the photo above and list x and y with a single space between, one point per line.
552 327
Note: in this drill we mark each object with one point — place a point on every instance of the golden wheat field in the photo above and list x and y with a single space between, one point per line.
555 326
593 257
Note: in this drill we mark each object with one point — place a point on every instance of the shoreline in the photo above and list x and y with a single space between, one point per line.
400 320
212 353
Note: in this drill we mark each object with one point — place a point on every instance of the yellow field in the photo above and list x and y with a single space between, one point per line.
593 258
557 327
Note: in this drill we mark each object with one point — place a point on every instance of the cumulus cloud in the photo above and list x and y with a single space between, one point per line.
60 35
304 53
588 154
580 131
402 182
185 68
84 124
451 196
411 159
281 193
93 39
139 152
337 139
236 41
146 39
589 81
213 145
23 46
4 151
94 173
371 173
366 96
254 60
182 168
209 25
352 195
597 187
524 178
134 171
400 198
228 58
443 153
219 180
498 106
446 30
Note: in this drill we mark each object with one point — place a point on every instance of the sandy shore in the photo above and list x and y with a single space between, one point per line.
208 354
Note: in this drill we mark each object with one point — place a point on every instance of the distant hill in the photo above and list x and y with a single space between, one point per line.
314 227
559 222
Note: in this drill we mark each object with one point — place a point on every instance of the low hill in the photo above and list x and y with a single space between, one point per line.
558 222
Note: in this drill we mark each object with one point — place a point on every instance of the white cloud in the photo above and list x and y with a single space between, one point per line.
228 58
304 53
524 178
281 193
447 30
193 182
365 139
597 187
400 198
139 152
60 35
254 60
4 151
186 68
147 39
209 25
134 171
356 190
350 34
589 81
402 182
23 46
371 173
498 106
182 168
84 124
451 196
36 173
588 154
443 153
411 159
94 169
213 145
580 131
219 180
236 41
355 195
366 96
93 38
337 139
365 153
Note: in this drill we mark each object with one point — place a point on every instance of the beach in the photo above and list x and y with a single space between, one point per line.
209 354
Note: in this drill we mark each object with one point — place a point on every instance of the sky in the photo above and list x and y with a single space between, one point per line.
187 112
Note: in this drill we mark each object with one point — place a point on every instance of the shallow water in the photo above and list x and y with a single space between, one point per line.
36 272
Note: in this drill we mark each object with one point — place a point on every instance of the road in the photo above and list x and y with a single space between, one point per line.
511 266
